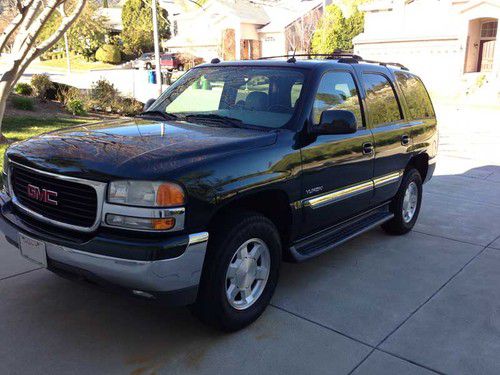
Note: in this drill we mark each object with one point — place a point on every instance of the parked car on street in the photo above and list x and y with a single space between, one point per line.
234 168
171 61
145 61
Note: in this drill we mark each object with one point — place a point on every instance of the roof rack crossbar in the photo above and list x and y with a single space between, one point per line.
342 57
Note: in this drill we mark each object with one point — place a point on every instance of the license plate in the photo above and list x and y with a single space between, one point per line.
33 249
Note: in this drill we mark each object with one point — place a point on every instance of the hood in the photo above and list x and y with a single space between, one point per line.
132 148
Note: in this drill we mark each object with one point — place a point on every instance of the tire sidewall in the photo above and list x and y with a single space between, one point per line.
229 317
410 176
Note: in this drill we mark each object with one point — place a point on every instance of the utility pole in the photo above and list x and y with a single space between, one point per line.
156 37
68 61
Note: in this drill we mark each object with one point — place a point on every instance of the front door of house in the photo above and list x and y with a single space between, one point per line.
486 52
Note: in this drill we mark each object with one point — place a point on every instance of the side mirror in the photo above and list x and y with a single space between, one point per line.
148 104
335 121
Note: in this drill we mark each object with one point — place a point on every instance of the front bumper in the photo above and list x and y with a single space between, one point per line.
109 262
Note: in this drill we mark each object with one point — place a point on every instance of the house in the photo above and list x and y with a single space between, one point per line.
244 29
447 42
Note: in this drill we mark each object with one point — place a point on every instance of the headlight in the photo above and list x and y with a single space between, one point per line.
146 193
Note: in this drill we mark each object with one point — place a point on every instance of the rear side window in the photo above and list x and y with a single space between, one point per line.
337 91
381 99
416 96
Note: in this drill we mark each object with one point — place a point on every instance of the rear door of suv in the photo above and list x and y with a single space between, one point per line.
391 132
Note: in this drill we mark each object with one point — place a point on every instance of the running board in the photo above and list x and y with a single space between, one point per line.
327 239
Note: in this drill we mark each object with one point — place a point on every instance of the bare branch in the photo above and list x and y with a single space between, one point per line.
25 40
14 24
49 42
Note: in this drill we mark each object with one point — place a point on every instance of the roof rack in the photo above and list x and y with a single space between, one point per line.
342 57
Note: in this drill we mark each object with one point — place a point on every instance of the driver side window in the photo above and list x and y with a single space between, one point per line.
337 90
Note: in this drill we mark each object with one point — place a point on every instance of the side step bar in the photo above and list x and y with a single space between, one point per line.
327 239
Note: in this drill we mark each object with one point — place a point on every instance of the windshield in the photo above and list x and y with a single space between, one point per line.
264 97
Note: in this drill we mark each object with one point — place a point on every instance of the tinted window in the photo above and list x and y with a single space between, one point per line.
416 96
381 99
337 91
257 96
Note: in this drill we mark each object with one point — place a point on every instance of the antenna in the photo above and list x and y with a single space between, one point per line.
292 59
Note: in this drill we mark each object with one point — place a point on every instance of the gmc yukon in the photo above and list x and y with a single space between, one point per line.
234 168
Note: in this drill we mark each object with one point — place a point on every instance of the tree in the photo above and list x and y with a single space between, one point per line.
25 28
299 34
86 35
137 20
335 31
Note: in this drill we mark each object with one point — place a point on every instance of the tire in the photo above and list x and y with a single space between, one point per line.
149 66
403 222
239 231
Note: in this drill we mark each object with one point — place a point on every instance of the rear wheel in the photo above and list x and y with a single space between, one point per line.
406 204
240 273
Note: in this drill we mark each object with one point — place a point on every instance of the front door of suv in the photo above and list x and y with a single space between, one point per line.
337 169
391 133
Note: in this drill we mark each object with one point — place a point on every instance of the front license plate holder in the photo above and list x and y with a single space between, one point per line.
33 249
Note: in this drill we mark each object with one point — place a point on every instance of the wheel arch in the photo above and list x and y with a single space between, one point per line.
421 163
272 203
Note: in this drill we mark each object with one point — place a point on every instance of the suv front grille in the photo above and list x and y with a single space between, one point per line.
76 203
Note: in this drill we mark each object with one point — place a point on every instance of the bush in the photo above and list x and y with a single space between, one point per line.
23 89
25 104
103 94
108 53
76 107
41 84
127 106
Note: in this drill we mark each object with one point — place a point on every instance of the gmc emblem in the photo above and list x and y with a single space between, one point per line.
42 195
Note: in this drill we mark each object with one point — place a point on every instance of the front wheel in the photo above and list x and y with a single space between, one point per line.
406 204
240 273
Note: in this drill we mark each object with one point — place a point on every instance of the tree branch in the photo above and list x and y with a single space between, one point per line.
49 42
26 39
14 24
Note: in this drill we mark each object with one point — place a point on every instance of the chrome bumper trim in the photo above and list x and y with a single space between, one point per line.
152 276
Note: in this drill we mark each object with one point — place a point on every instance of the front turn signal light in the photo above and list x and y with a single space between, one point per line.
163 224
169 194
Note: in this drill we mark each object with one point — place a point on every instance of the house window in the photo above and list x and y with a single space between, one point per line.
176 30
489 29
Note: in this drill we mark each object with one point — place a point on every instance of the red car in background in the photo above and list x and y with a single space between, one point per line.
170 61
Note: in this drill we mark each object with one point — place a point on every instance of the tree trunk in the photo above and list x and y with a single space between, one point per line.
27 50
5 85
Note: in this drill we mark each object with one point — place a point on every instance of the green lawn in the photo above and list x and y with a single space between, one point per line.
77 63
23 127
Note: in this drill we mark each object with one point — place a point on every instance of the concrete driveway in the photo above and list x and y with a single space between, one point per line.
421 303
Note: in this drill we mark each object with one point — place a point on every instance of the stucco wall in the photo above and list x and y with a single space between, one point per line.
273 44
431 37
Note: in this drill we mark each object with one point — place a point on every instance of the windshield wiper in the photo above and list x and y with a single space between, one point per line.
211 117
165 115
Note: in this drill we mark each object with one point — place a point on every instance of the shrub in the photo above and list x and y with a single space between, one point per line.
103 94
127 106
41 84
25 104
76 107
109 53
23 89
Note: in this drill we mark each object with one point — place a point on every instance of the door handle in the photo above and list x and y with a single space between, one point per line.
405 139
367 148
